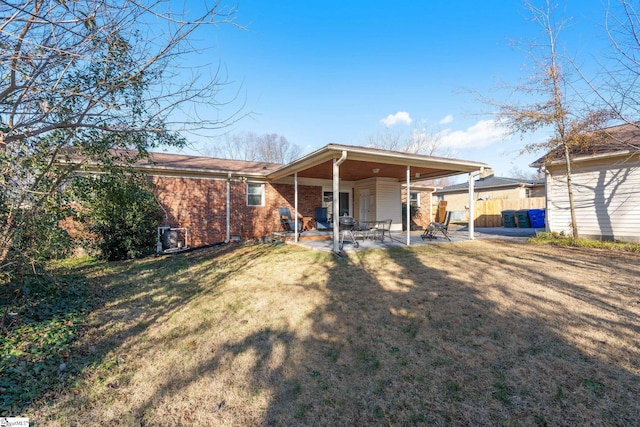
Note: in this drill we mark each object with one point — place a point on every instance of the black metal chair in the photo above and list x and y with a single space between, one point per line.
438 227
347 225
384 227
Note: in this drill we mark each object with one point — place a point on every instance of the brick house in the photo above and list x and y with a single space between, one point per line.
218 198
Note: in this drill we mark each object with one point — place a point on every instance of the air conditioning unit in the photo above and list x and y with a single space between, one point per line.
172 239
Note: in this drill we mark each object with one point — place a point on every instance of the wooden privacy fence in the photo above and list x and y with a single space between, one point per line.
488 213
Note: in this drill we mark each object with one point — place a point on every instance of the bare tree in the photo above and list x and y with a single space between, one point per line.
417 140
620 88
273 148
80 78
553 109
516 172
270 148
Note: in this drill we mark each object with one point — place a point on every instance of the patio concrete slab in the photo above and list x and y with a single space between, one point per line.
398 239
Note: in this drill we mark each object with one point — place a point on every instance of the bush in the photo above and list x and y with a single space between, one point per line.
121 210
37 236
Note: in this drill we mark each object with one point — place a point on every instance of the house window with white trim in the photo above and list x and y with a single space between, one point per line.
414 198
255 194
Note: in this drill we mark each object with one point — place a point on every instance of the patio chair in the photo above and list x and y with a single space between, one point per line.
286 221
347 225
322 220
438 227
384 227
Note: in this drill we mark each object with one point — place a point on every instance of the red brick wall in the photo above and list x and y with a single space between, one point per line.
200 205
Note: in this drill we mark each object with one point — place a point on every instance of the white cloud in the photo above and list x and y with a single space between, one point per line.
446 119
481 134
399 117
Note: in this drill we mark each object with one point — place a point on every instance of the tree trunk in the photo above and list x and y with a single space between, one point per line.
572 207
6 239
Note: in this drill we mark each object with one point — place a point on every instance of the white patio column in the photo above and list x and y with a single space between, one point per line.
471 206
336 201
408 205
472 210
295 207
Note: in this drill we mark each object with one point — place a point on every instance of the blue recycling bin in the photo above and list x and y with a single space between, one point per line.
536 217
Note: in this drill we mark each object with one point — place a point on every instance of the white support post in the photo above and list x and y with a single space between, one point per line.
336 201
295 207
471 206
472 211
408 205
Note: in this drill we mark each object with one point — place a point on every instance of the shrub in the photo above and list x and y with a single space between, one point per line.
121 210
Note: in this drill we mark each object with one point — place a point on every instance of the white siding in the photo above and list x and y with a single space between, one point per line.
607 199
368 185
389 203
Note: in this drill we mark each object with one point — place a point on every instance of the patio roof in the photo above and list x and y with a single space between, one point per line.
364 162
350 163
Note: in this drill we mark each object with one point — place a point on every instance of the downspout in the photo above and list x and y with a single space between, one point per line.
472 210
228 237
547 199
408 209
295 207
336 201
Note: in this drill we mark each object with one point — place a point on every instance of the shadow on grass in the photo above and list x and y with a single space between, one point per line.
127 298
437 335
410 337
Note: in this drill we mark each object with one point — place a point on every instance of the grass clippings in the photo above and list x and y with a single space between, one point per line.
470 333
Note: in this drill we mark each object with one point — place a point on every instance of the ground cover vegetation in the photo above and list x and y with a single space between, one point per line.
469 333
561 239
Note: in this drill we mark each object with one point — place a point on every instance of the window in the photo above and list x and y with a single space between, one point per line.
255 194
527 193
343 202
414 198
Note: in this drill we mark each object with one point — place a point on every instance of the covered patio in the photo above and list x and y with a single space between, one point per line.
370 182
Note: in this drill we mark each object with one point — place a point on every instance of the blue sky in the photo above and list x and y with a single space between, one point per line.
337 71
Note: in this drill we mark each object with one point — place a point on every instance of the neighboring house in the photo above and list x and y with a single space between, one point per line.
489 187
421 198
217 199
605 172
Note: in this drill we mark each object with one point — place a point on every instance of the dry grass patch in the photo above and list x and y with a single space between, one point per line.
472 333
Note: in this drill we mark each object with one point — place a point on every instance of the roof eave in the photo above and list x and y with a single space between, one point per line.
520 184
538 164
332 151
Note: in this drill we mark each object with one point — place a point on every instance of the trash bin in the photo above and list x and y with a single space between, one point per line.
509 218
522 217
536 218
